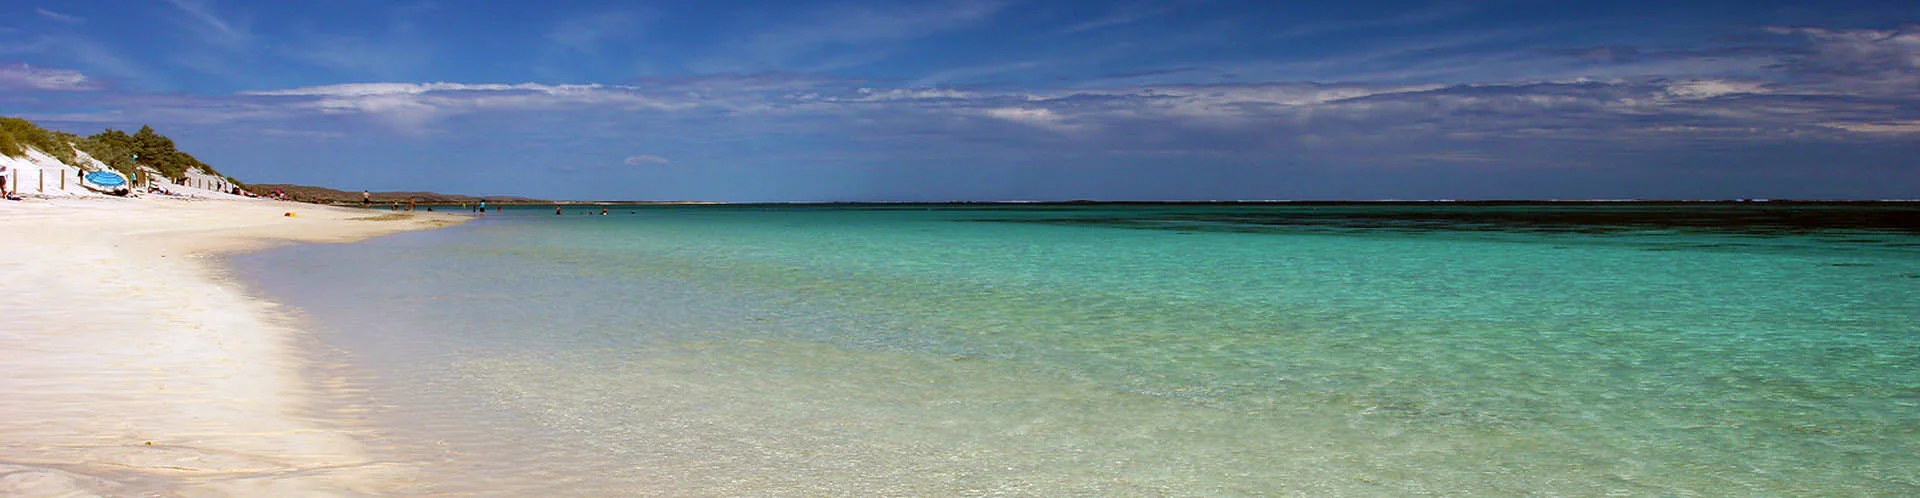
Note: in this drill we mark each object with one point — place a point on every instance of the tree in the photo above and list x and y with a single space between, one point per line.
113 147
119 150
154 151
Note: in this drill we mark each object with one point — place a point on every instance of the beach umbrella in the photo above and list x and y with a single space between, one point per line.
106 179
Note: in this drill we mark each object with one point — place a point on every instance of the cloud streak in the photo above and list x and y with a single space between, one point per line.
1822 88
217 30
587 33
1799 103
1865 60
413 107
1127 13
70 20
846 35
645 159
22 77
1646 112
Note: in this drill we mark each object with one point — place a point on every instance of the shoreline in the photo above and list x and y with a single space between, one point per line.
135 367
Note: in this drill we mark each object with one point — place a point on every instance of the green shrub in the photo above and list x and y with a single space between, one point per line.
21 134
114 147
9 146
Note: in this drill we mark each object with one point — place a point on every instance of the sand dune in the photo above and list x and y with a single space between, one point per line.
128 367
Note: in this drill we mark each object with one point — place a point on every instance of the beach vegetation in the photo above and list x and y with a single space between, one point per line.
119 150
17 135
127 152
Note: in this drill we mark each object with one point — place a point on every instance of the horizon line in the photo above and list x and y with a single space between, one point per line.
1249 201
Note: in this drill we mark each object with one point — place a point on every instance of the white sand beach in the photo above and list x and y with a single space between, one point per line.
129 368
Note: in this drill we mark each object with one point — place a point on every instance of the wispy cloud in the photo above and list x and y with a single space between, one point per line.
588 32
212 26
60 18
1038 117
25 77
644 159
301 135
1126 13
969 74
1438 121
95 58
1145 73
361 57
1908 128
1870 60
1427 15
846 35
397 51
1479 55
1649 111
413 107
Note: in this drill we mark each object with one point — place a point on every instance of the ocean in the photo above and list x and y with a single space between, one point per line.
1128 350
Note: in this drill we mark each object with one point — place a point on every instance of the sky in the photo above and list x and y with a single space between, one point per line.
999 99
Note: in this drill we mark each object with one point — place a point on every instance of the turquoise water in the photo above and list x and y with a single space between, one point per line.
1700 350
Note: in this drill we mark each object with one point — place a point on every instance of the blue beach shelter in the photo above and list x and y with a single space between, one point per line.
106 179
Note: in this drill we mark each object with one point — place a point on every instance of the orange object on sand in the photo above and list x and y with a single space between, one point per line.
289 214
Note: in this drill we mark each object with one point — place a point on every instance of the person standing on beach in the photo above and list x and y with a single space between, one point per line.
366 198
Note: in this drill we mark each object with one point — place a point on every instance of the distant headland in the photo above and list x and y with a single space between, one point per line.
324 195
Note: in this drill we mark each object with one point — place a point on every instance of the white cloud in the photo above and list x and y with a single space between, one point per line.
413 106
1859 60
219 32
1797 100
1886 128
1032 116
1576 109
99 59
378 89
24 77
646 159
904 94
1706 89
59 17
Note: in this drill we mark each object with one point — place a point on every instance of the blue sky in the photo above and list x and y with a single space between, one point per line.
999 99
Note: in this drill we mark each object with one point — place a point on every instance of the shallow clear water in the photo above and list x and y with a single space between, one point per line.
1134 350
